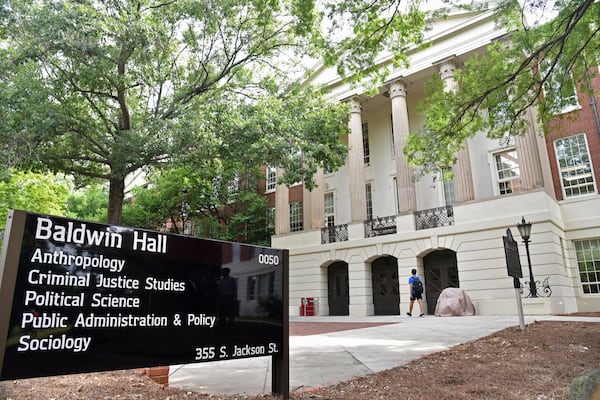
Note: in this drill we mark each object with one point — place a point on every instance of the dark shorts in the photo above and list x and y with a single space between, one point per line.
416 297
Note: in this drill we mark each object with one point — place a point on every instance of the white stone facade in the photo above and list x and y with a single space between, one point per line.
479 212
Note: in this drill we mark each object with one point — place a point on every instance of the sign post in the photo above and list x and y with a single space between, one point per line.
280 377
79 296
513 264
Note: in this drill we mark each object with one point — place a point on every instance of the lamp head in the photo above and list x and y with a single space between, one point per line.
524 229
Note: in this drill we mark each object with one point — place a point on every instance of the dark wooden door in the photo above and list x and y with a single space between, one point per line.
338 289
441 272
386 292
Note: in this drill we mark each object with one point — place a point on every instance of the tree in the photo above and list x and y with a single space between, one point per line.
290 126
535 66
212 185
30 191
378 27
101 89
501 84
219 204
89 203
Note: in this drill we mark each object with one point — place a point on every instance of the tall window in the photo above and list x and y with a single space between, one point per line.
561 84
271 179
574 165
501 120
365 138
298 160
449 196
369 194
233 188
329 210
393 140
234 185
499 114
396 201
507 172
588 259
296 216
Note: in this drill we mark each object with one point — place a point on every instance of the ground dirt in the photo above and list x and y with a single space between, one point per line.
538 363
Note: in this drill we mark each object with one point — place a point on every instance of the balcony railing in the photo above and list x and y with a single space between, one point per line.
332 234
434 217
380 226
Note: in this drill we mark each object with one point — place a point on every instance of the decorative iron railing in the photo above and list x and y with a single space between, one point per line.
380 226
541 289
332 234
434 217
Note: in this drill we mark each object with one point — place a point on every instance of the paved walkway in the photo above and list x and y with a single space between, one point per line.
327 350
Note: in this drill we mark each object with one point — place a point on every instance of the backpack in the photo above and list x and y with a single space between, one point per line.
417 286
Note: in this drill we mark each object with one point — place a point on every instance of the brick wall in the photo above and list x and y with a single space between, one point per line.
573 123
158 374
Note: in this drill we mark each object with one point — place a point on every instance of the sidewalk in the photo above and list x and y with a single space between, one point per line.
322 359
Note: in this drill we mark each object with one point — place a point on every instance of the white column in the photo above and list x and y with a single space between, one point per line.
314 203
356 164
529 158
404 173
361 289
447 69
463 177
282 207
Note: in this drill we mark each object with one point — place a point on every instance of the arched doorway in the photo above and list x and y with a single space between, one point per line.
338 288
441 271
386 292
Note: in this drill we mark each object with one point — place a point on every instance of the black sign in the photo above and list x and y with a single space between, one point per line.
511 252
80 296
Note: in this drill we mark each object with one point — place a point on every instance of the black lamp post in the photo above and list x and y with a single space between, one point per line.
525 231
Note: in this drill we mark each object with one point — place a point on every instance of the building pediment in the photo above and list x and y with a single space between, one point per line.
457 35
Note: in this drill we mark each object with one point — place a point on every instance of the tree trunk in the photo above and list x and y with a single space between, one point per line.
116 194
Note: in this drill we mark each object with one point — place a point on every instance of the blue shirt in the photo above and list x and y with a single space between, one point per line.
412 279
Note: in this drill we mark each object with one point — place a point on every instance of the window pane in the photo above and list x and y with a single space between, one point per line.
271 179
559 81
296 216
449 197
365 136
574 165
396 200
393 139
507 170
588 260
329 210
369 201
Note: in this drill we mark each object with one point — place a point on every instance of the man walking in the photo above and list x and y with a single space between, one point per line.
416 292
